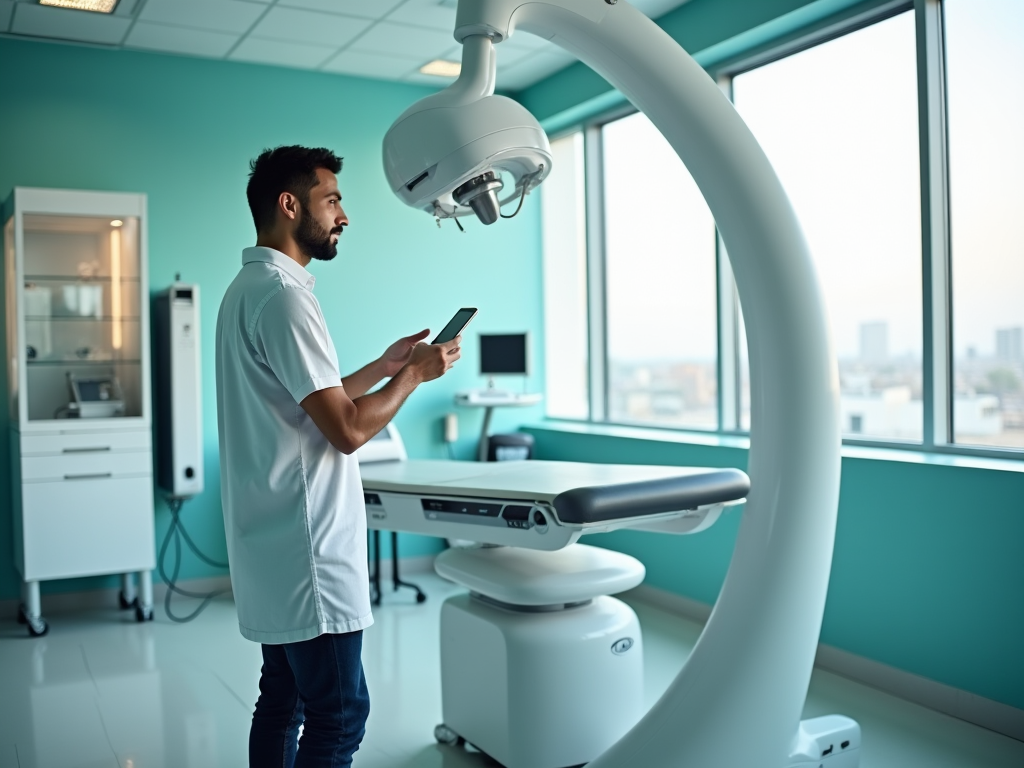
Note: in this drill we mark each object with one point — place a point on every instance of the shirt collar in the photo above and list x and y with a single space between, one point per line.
280 260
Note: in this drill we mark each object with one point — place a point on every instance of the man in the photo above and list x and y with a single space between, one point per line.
290 486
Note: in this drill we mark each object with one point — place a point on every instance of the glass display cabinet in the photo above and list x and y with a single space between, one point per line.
77 309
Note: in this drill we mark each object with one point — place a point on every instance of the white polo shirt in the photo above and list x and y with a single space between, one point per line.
293 504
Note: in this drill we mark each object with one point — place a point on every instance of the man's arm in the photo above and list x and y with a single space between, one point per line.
349 423
390 363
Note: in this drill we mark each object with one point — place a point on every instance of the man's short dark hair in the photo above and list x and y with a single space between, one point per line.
284 169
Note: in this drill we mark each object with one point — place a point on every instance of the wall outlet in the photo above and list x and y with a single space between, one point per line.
451 427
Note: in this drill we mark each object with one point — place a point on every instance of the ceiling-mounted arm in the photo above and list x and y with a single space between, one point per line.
738 700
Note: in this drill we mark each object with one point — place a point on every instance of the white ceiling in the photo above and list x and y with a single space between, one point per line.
385 39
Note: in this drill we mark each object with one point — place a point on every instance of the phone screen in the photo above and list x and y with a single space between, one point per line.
455 325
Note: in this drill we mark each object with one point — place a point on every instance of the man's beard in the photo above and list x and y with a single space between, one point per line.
314 240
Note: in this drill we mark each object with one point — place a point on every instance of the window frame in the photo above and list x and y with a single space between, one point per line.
936 252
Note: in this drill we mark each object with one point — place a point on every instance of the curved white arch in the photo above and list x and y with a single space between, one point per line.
737 701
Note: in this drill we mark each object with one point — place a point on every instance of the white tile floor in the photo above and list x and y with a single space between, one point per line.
103 691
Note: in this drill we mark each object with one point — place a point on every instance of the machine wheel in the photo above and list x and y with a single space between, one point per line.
36 627
143 614
420 597
125 603
446 735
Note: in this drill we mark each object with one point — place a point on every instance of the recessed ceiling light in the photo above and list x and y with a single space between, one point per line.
117 223
98 6
442 68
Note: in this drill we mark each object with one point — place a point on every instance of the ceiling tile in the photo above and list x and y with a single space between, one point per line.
6 6
301 55
533 68
367 9
63 23
372 65
401 39
309 27
217 15
432 14
196 42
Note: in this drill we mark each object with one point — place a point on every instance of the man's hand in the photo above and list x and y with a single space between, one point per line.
431 361
399 353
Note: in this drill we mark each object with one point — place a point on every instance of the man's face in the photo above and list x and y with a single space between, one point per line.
321 218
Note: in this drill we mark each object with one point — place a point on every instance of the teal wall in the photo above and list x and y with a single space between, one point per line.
928 571
712 31
183 130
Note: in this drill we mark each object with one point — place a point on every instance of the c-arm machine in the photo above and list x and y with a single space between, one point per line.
745 683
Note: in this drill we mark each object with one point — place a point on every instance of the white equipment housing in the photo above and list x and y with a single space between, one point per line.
554 677
737 701
179 407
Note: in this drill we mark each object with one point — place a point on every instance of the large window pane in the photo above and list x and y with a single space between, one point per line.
839 124
985 70
565 281
660 260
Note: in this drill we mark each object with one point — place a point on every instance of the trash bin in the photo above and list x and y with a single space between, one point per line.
515 446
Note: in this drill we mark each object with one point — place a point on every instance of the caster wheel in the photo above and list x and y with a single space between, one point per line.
125 603
22 619
446 735
420 597
37 627
143 614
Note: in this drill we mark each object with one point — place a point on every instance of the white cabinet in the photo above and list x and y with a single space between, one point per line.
77 324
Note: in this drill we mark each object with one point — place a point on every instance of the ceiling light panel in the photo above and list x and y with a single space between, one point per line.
96 6
441 68
45 21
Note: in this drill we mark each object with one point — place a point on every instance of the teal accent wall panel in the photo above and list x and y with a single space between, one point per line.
928 569
712 31
182 130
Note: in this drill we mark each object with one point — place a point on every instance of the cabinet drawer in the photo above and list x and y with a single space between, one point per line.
85 442
86 527
93 465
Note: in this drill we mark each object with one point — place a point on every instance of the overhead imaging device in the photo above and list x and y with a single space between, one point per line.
738 700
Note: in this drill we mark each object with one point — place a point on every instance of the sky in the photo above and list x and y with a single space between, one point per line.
839 124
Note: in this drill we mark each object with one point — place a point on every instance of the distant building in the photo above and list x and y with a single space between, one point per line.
1010 344
874 342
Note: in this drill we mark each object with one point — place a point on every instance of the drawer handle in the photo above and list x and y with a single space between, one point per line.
93 476
97 449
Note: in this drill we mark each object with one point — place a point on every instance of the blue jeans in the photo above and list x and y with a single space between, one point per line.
318 684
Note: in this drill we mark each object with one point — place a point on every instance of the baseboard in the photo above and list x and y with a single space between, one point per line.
978 710
97 599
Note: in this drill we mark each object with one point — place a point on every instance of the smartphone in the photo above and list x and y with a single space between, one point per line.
455 325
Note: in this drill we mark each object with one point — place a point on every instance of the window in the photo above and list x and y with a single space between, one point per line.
565 281
659 240
877 132
985 85
839 124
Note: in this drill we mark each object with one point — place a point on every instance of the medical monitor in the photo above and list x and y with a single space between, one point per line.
504 353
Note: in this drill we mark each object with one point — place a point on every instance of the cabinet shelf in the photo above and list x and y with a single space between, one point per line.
77 279
74 361
84 318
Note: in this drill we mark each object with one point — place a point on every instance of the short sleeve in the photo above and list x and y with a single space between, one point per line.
291 336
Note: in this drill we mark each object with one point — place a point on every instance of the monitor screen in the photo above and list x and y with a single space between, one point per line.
503 353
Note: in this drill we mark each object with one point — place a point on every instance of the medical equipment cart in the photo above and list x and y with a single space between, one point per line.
77 309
